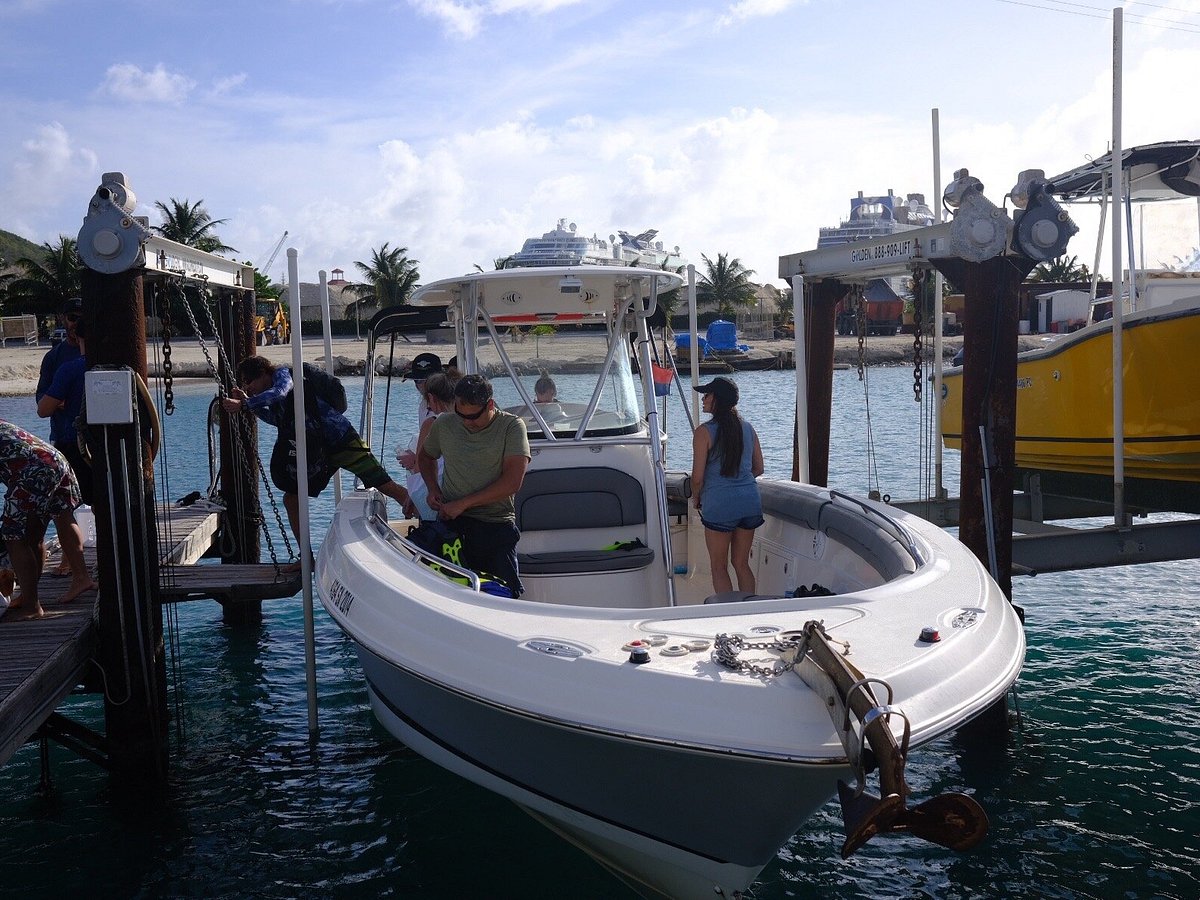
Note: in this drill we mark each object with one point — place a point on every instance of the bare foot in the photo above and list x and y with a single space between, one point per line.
19 612
78 586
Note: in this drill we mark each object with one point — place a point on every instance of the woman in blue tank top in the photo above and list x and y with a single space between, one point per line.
726 458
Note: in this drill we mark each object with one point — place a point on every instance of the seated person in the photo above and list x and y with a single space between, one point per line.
545 391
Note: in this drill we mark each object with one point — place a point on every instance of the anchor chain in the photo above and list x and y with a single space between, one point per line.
726 648
919 329
241 436
163 303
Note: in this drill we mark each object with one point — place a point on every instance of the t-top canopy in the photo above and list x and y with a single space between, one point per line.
1166 171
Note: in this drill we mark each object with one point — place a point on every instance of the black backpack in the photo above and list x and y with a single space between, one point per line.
319 383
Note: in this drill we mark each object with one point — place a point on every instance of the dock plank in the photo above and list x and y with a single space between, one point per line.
42 660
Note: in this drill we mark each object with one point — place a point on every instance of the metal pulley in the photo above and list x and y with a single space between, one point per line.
1043 228
111 239
980 230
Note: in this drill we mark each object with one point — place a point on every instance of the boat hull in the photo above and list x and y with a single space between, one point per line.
679 775
1065 401
591 785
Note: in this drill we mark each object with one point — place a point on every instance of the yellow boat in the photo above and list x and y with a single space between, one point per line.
1065 389
1065 395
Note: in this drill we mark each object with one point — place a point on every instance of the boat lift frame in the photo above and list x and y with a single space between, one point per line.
958 249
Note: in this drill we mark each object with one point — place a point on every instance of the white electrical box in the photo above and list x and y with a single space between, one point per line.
109 396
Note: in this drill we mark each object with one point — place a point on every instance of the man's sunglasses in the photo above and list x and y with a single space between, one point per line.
470 417
72 317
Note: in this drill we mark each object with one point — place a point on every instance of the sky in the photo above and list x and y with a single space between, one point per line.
459 128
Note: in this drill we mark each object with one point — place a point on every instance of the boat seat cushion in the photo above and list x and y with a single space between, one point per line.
846 525
587 497
579 562
679 489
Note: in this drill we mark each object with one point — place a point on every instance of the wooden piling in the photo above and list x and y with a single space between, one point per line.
130 650
238 447
822 298
989 398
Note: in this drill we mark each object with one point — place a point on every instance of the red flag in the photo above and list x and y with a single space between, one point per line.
662 379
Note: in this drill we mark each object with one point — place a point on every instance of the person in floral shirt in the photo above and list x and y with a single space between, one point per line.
41 489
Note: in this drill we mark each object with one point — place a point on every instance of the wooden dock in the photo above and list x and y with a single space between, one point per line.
42 660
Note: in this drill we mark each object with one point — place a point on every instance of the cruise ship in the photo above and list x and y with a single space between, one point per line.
564 246
876 217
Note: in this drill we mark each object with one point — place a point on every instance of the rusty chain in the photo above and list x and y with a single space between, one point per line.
162 300
918 330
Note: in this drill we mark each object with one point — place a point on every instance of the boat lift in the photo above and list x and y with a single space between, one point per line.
986 254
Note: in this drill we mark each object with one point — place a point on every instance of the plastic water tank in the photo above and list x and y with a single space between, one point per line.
684 342
722 335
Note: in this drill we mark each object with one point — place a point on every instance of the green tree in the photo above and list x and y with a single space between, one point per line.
786 305
1062 270
726 285
264 288
388 279
190 224
42 286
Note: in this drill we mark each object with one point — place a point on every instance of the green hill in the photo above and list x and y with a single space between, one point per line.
13 247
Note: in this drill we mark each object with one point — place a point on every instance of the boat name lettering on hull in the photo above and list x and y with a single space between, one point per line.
1024 383
890 250
341 597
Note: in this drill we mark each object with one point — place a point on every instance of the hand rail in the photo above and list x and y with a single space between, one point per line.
395 538
898 531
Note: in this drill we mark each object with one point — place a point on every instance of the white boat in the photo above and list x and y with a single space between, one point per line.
644 251
1065 389
564 246
615 701
876 217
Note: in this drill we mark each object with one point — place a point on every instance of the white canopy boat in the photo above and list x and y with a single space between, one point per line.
679 737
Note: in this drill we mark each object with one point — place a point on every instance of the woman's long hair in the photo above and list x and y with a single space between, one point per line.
728 444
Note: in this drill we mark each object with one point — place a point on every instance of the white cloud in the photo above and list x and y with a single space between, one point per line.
752 9
459 19
225 85
48 168
536 7
465 19
126 81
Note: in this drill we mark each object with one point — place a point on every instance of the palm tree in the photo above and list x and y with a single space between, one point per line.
786 306
389 278
43 286
1062 270
190 224
726 285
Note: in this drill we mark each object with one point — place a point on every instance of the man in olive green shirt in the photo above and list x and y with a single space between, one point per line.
486 451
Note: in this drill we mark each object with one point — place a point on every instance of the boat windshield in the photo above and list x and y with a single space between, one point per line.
560 371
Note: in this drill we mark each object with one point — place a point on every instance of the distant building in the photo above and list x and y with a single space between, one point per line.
340 298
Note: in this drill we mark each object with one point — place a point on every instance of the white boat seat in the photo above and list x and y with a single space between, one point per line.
580 562
587 497
591 498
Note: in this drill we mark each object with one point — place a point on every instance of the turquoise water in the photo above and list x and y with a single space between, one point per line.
1094 796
